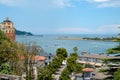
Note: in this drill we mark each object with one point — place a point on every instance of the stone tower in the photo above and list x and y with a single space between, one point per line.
7 27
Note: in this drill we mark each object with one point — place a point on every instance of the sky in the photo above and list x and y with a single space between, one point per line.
63 16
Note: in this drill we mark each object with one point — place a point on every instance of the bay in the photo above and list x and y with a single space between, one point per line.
51 42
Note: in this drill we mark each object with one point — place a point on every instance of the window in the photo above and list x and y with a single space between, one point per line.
8 23
8 26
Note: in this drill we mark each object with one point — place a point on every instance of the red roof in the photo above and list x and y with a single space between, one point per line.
39 58
88 70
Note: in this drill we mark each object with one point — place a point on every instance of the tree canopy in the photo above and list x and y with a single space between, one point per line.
117 75
3 37
62 52
5 68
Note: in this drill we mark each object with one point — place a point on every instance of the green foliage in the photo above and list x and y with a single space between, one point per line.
65 75
117 40
117 75
103 70
61 52
9 53
3 37
75 55
75 49
44 74
5 48
78 68
114 50
102 39
72 66
104 61
5 68
88 65
53 65
71 63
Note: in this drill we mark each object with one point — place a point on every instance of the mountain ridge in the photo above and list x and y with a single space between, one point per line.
19 32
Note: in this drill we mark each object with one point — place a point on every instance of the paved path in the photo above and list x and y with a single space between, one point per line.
57 75
72 77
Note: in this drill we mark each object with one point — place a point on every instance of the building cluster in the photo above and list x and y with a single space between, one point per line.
96 62
7 27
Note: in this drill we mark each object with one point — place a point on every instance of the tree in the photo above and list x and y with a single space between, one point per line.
61 52
75 55
71 63
75 49
5 47
5 69
44 74
28 53
78 68
88 65
3 37
9 54
117 75
15 61
65 75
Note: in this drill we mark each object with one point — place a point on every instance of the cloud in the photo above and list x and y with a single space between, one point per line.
58 3
62 3
105 3
98 1
11 2
106 29
38 3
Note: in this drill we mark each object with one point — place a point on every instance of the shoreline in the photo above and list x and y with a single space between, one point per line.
84 39
70 38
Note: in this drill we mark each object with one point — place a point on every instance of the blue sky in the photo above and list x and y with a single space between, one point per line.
63 16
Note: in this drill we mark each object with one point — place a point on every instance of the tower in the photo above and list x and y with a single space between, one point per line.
7 27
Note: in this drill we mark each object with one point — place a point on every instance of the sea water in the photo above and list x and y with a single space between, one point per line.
51 42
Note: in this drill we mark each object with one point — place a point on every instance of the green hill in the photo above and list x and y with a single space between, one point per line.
18 32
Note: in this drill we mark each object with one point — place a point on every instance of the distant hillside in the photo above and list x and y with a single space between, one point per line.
18 32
